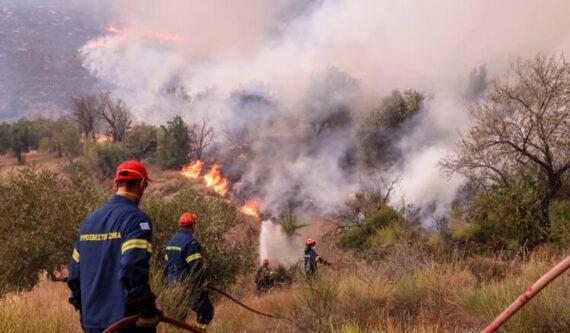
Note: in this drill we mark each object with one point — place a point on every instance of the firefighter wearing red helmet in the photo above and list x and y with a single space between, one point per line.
109 269
263 278
184 264
312 258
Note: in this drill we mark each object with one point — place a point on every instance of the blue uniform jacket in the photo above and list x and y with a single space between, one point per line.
110 262
311 258
184 258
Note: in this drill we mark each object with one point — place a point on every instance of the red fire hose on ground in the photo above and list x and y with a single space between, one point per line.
555 272
132 319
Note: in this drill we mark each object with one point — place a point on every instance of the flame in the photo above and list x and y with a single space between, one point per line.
145 34
216 181
213 179
251 208
193 170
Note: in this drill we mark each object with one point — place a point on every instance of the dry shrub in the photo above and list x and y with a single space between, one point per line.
487 269
43 309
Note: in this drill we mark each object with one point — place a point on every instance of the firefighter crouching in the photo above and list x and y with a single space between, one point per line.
109 270
184 264
263 278
312 258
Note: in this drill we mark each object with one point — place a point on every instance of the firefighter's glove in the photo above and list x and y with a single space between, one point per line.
76 302
149 321
146 305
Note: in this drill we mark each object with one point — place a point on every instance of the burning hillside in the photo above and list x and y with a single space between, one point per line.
214 180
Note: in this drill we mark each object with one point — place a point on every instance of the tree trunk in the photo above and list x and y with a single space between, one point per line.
549 193
20 157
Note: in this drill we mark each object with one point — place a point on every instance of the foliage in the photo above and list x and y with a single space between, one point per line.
173 144
560 223
106 156
22 139
378 222
380 129
141 142
63 139
216 217
41 213
502 218
5 138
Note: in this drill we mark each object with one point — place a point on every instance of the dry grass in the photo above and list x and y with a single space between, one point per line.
44 309
435 297
40 159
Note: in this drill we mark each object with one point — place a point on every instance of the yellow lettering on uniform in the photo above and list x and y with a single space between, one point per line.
100 237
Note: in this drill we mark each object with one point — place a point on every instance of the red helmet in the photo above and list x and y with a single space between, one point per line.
266 261
187 219
310 241
131 170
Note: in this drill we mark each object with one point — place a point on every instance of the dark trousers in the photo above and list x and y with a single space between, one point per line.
204 309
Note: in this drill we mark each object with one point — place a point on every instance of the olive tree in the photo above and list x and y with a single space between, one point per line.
41 213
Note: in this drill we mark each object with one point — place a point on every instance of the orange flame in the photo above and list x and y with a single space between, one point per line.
216 181
193 170
251 208
145 34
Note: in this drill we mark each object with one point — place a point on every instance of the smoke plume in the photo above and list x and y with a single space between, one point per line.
268 74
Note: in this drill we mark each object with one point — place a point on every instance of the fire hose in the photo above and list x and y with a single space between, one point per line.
174 322
245 306
534 289
132 319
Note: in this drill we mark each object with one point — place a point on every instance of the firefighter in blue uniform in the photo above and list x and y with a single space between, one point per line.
184 264
312 258
109 270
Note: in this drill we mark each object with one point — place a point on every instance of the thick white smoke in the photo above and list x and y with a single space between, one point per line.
273 52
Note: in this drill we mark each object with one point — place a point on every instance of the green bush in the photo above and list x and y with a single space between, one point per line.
106 156
23 139
41 213
379 221
225 259
502 218
63 138
141 142
173 144
5 138
379 129
560 223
